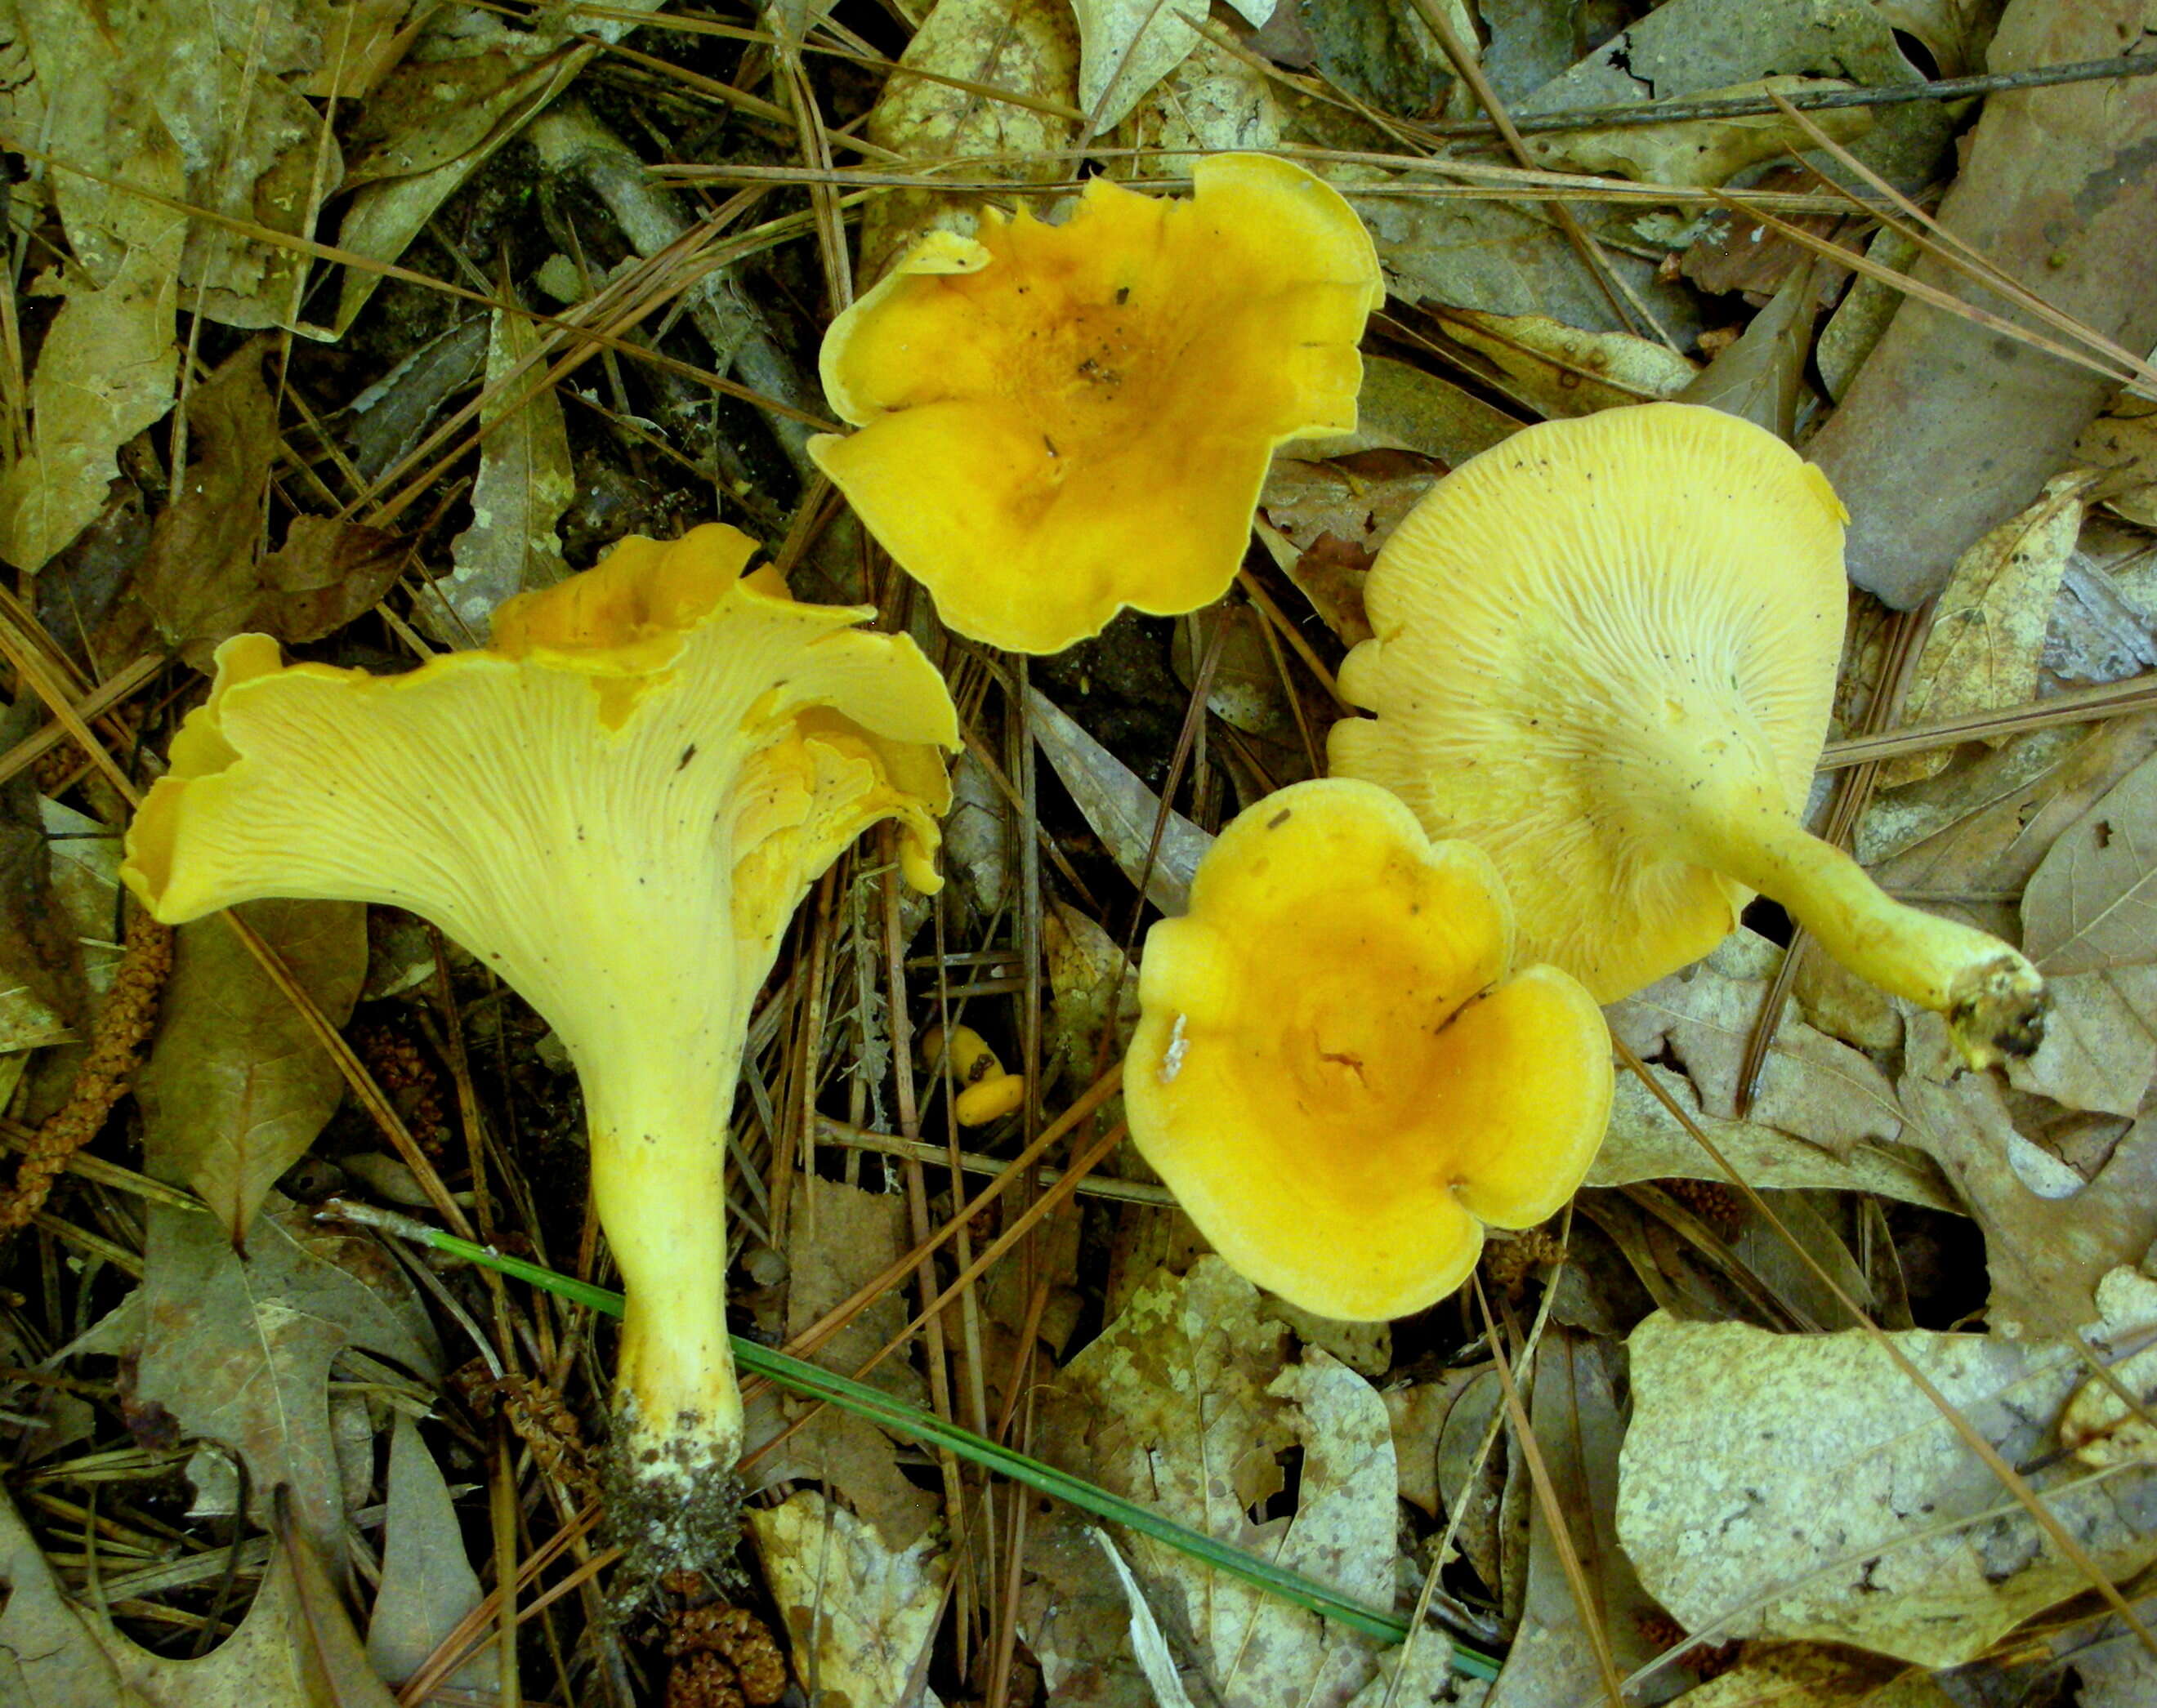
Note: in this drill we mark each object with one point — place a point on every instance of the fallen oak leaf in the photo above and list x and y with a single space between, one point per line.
238 1349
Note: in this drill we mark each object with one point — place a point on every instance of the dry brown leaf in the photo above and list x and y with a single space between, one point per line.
1214 101
841 1236
1186 1402
1338 513
1800 1485
428 1586
1988 632
1646 1142
325 574
1575 1415
1028 47
2091 902
43 995
2122 445
1075 1617
294 1650
1403 408
2044 1256
1804 1675
525 482
1811 1085
237 1086
1094 988
2100 1047
465 88
1950 428
1121 810
1987 825
238 1349
1417 1414
1125 47
860 1615
196 584
105 372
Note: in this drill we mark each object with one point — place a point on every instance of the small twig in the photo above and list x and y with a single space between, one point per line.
1742 106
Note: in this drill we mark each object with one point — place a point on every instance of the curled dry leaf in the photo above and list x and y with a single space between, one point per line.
1821 1496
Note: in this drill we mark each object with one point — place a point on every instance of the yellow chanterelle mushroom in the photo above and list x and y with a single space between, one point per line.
617 805
1605 651
1338 1069
1058 421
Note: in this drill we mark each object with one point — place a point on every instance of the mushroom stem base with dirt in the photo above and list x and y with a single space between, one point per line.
1992 997
658 1151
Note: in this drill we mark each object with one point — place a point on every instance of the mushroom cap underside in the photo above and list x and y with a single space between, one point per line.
1059 421
1335 1073
1579 626
593 819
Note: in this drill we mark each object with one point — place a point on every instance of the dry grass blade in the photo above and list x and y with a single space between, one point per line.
2117 699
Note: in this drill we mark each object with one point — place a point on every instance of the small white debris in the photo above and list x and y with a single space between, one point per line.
1171 1061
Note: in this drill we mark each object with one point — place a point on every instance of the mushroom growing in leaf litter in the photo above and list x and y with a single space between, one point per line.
1605 651
1058 421
617 805
1338 1070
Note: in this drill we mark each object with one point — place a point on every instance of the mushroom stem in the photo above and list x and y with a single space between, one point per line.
658 1152
1991 996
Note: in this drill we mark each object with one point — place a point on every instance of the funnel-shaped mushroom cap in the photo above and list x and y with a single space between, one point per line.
1605 651
1336 1069
1060 421
628 791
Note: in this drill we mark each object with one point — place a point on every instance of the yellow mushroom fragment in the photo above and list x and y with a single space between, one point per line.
1337 1068
984 1091
1058 421
617 805
1605 651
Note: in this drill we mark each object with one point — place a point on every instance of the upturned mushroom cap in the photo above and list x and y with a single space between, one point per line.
1605 651
1059 421
617 806
1336 1068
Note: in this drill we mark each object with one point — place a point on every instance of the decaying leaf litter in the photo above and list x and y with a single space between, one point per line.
345 322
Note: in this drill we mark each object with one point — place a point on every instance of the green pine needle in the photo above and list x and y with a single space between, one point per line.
921 1426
